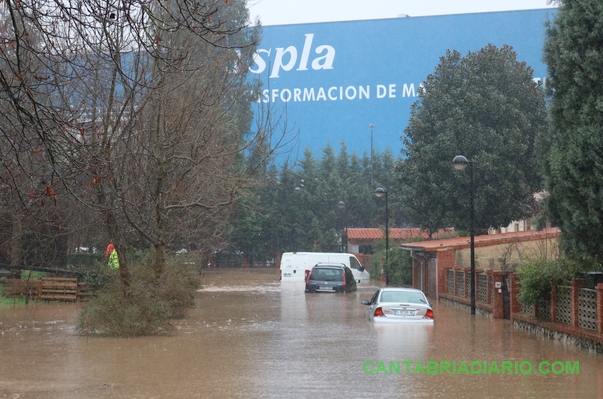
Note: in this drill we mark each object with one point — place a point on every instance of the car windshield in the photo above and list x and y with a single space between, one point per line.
326 275
403 297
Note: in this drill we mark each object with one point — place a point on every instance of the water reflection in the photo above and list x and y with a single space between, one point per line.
403 341
270 340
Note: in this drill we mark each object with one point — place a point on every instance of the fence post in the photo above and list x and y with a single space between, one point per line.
576 284
467 277
553 303
489 287
497 299
514 293
600 308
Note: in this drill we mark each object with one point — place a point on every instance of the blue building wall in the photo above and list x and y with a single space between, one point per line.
330 81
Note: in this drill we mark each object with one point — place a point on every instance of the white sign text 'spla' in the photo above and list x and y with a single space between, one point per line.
286 58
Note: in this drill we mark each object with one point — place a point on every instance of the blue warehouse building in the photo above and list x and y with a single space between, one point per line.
329 82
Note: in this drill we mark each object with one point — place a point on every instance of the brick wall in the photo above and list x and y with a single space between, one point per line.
445 261
584 337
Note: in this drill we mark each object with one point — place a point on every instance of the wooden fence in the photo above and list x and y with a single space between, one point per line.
46 289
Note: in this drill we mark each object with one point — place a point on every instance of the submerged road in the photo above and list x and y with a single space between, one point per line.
250 336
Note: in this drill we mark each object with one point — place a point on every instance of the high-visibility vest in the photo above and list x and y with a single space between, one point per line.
113 260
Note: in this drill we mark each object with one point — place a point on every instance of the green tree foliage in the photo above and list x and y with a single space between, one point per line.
398 266
573 149
298 209
486 107
538 277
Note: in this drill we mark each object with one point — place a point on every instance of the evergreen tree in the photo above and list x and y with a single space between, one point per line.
573 150
486 107
359 198
298 210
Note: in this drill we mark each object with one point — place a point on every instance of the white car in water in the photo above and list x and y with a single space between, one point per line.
396 304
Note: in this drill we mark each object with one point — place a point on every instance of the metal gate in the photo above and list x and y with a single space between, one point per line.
506 298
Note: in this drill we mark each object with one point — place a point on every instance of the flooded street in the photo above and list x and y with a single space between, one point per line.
250 337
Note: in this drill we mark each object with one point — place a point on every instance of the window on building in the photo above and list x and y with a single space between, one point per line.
365 249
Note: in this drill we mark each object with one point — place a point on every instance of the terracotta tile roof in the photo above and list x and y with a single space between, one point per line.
394 233
483 240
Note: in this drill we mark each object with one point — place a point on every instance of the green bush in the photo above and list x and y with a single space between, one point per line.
398 267
31 275
179 283
538 277
12 301
83 260
376 264
110 313
149 305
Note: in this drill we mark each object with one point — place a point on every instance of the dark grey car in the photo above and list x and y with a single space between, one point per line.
331 277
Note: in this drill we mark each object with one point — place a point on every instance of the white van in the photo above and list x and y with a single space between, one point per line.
295 264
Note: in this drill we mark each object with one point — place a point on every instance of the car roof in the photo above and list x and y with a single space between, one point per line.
320 264
400 289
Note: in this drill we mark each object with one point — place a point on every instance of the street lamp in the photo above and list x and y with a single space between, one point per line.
380 192
341 205
460 163
372 160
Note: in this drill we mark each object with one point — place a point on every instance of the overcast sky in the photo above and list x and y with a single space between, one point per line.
279 12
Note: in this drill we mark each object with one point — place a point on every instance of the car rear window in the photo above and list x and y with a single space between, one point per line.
402 297
326 275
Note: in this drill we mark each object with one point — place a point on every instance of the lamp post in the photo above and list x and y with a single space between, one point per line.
372 161
460 163
341 205
380 192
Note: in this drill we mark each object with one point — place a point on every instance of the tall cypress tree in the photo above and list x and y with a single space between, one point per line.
573 149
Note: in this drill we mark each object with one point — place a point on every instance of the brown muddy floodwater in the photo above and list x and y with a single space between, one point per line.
251 337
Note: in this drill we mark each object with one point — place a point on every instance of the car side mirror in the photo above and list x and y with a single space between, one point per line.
361 268
365 302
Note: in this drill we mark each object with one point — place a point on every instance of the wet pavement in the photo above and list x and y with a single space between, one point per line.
251 337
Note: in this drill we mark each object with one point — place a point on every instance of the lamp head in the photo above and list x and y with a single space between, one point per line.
460 162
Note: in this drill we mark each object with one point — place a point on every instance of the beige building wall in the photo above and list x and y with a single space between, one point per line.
507 256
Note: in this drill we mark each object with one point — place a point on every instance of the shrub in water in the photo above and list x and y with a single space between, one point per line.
147 308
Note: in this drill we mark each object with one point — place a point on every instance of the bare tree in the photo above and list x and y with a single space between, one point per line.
139 110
